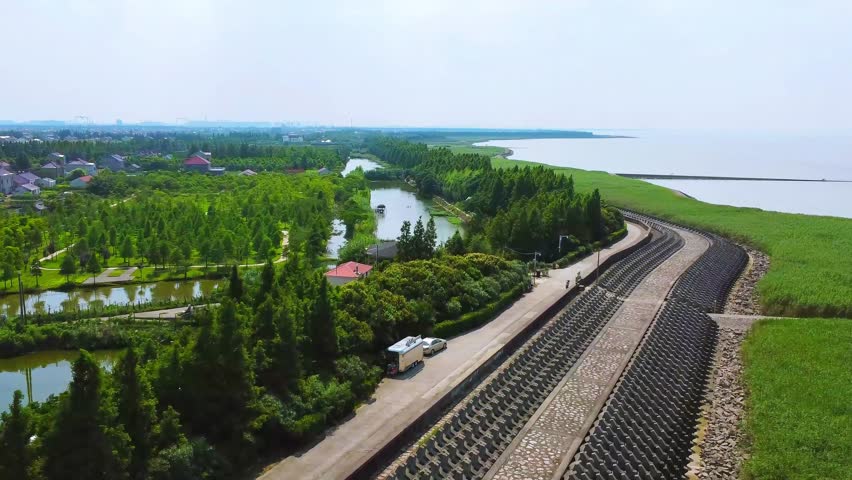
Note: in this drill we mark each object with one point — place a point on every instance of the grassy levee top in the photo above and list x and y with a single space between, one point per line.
810 274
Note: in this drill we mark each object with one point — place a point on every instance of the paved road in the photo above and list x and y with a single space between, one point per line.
550 438
398 401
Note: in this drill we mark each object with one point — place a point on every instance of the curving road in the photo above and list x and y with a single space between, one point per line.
399 401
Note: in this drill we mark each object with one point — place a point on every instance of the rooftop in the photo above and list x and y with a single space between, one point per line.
349 270
196 160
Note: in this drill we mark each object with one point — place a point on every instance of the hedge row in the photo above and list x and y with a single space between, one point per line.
469 321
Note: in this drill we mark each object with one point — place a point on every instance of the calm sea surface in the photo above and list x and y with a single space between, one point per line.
816 156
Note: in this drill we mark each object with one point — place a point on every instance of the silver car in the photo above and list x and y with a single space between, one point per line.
432 345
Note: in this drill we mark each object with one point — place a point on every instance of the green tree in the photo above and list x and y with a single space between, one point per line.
93 266
430 239
135 411
22 162
15 454
235 284
82 440
75 174
323 333
127 250
267 279
404 242
455 245
68 267
35 270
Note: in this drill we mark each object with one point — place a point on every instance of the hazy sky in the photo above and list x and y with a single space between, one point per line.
483 63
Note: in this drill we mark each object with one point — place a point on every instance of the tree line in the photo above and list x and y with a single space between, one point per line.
530 209
283 357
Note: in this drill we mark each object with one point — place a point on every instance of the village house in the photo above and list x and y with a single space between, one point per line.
25 178
57 158
7 181
27 189
45 182
197 163
323 171
347 272
248 173
83 165
51 170
113 162
204 155
81 182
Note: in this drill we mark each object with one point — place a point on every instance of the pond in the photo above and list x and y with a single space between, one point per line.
365 164
41 374
56 300
401 202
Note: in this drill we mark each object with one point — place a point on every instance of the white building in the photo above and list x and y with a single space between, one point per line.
7 181
293 138
27 189
45 182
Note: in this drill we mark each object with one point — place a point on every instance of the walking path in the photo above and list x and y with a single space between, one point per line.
104 277
398 401
552 436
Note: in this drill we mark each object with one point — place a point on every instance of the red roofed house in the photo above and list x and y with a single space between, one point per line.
347 272
197 163
80 182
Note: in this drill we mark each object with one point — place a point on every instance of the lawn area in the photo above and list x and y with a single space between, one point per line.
799 421
811 268
462 148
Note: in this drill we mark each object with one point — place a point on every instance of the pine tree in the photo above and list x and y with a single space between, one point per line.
418 238
126 248
169 431
15 454
404 242
430 238
135 411
235 285
267 279
82 442
323 333
455 245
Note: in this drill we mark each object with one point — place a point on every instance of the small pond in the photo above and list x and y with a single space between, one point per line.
401 204
41 374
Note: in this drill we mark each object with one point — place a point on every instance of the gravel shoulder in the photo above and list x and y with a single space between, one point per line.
743 299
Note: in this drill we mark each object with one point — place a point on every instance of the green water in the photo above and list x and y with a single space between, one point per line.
41 374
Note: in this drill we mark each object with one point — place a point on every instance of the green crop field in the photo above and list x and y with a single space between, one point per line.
799 414
811 264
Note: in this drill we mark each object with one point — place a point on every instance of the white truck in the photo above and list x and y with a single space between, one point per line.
404 354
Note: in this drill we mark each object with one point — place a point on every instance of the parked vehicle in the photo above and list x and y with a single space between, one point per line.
432 345
404 354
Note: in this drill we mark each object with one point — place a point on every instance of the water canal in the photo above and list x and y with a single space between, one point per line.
83 298
41 374
402 203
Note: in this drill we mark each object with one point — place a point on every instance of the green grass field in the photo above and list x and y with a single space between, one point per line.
799 420
811 265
